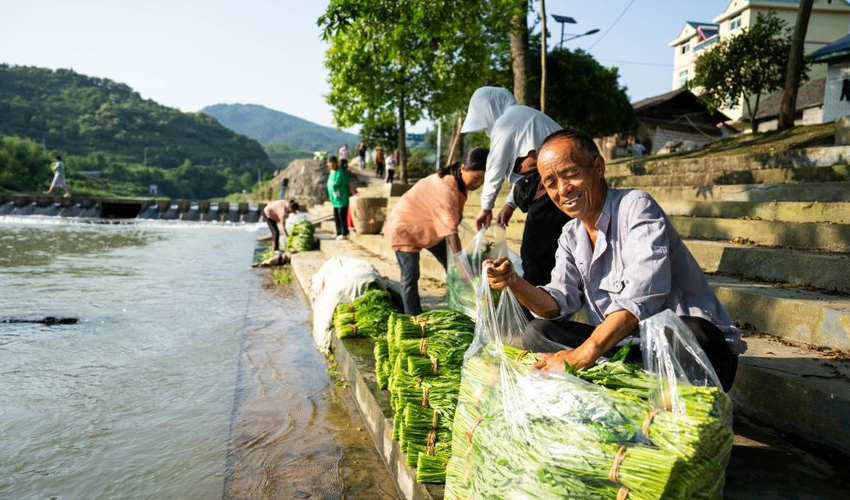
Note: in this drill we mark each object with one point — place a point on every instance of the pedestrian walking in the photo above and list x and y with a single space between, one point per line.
58 168
392 161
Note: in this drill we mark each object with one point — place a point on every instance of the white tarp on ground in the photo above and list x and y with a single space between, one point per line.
340 279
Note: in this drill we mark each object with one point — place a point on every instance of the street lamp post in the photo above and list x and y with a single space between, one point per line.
572 36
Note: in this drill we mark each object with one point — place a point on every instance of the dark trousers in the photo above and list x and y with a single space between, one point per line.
409 264
543 227
379 169
275 233
341 220
390 175
362 162
549 336
343 164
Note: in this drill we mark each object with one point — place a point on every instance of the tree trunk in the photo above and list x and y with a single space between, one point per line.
519 52
402 141
795 66
456 148
543 56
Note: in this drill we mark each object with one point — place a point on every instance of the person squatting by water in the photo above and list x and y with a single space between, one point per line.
340 189
621 260
428 216
516 133
58 168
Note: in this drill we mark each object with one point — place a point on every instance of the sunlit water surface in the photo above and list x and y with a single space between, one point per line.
135 401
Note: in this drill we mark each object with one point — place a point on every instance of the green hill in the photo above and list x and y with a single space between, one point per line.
275 127
105 126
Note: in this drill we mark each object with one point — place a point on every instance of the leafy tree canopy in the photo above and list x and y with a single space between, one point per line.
584 95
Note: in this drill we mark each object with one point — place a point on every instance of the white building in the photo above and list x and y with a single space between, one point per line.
829 21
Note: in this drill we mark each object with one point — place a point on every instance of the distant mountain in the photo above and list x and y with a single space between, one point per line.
78 114
268 126
103 126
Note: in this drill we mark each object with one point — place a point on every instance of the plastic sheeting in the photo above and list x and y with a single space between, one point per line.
340 279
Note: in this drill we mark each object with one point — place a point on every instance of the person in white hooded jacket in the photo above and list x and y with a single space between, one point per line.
516 132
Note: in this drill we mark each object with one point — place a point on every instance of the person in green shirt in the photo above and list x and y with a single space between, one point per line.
340 190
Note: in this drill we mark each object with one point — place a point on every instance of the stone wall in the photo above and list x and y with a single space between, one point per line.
660 136
833 106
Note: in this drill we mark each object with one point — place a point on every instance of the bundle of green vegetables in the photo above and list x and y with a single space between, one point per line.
301 237
420 362
609 432
365 317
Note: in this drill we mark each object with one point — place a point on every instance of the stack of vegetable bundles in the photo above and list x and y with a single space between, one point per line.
365 317
301 237
420 361
614 431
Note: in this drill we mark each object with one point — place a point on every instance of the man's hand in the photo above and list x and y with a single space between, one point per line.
578 358
484 218
501 273
505 215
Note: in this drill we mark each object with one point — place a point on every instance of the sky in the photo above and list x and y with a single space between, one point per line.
189 54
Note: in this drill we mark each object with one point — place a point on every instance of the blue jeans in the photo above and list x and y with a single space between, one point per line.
409 264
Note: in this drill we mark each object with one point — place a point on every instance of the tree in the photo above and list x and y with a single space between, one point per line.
603 107
745 67
416 58
796 63
519 49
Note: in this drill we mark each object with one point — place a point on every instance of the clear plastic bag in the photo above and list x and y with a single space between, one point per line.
614 431
464 274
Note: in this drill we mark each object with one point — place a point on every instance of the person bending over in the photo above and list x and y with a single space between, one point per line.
428 216
275 215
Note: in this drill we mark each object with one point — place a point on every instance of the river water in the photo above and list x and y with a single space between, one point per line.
188 376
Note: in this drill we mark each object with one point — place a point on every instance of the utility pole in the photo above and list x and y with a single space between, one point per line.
439 138
543 56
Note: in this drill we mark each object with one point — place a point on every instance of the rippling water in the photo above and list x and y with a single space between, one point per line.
189 376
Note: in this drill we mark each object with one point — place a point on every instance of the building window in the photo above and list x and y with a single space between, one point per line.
686 48
735 23
683 78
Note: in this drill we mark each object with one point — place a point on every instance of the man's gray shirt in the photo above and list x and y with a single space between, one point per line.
640 264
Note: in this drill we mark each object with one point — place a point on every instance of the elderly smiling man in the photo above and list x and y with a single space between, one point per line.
620 259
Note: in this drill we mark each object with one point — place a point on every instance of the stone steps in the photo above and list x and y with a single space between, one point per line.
835 173
803 236
795 158
796 268
795 389
831 212
810 191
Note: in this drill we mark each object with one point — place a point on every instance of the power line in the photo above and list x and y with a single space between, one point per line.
612 25
637 62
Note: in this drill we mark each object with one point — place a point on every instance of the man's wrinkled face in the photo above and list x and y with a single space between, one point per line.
575 183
